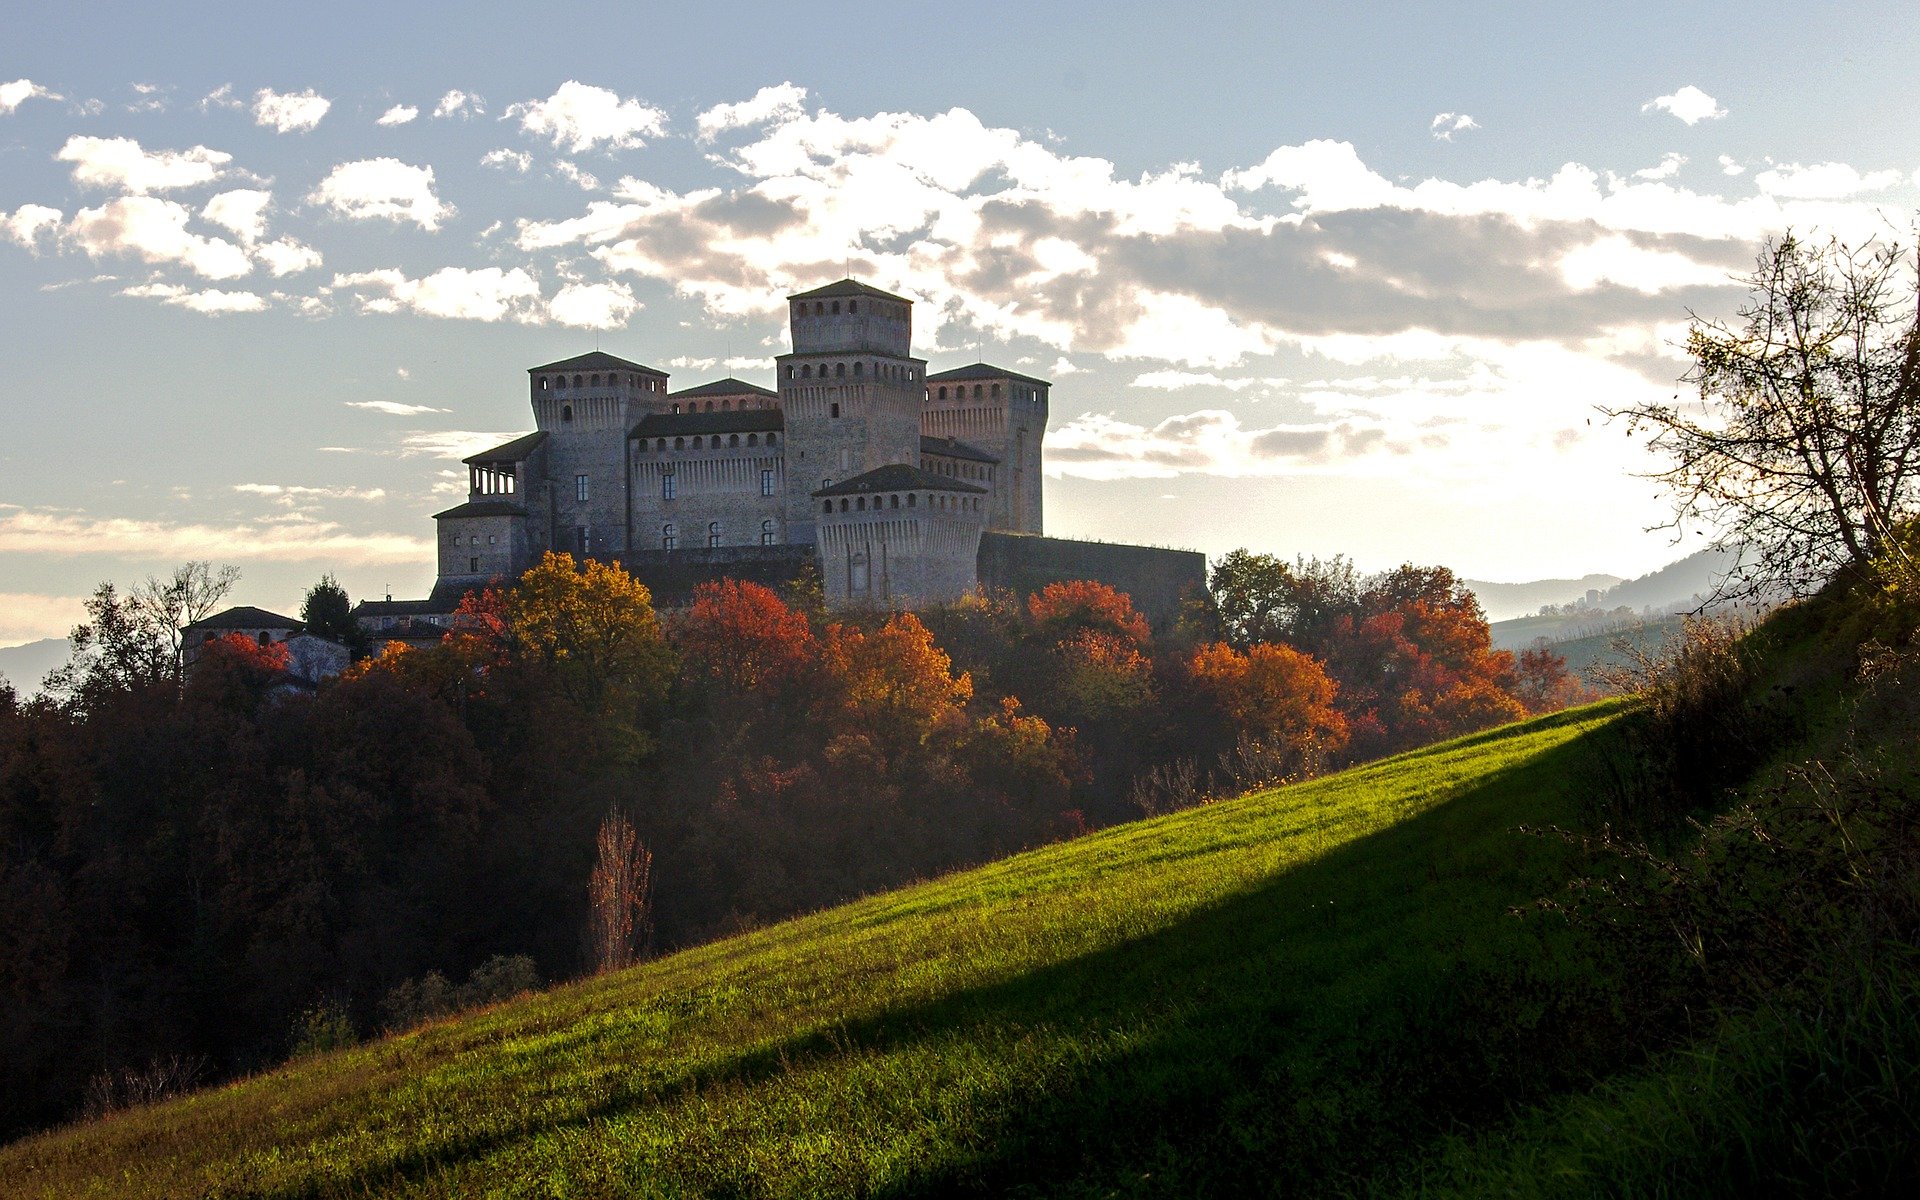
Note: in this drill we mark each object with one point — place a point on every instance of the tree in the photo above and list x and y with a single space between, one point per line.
328 612
1276 695
130 643
1262 598
1805 442
1061 611
593 627
619 896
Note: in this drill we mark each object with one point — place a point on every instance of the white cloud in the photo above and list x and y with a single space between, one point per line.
583 117
1822 181
19 91
1445 125
211 301
221 97
288 494
242 212
287 256
776 103
451 443
154 230
1730 165
121 163
508 160
593 305
30 616
1171 381
574 175
457 103
485 294
1208 442
394 408
1689 104
1669 166
1618 260
399 114
26 224
1064 366
29 531
383 188
150 97
289 112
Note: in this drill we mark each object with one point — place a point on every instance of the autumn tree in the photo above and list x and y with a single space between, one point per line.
592 628
893 683
619 896
1062 611
740 638
1275 695
1264 598
1804 446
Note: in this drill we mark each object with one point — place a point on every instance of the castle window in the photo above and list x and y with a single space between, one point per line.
766 533
893 502
473 567
793 372
943 393
853 306
996 391
819 308
733 440
566 413
910 496
843 506
267 639
860 504
725 405
826 506
668 536
856 370
836 410
474 540
660 444
580 488
595 381
545 383
709 406
753 439
766 482
836 308
840 370
806 372
680 443
770 438
666 487
976 391
713 534
576 381
491 540
696 443
676 407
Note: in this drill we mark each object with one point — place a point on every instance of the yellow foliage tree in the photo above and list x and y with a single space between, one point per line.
592 626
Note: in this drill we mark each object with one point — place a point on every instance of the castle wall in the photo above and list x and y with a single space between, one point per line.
737 489
1158 580
477 548
672 577
898 557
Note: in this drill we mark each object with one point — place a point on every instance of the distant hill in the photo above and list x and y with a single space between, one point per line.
1675 587
26 665
1503 601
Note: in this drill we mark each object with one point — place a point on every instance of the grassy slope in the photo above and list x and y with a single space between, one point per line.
1170 1006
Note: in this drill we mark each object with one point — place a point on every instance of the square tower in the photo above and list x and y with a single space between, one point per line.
586 405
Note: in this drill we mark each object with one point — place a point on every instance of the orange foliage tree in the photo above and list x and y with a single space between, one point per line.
1275 695
742 637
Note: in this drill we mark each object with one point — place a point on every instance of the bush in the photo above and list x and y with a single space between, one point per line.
321 1029
130 1087
414 1002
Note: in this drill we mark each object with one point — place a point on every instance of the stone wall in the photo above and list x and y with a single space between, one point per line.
1159 580
672 576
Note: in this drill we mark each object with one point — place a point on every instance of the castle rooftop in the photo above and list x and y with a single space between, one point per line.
737 420
513 451
724 387
597 360
848 287
897 477
974 371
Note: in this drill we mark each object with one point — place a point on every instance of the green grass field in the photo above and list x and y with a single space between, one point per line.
1242 997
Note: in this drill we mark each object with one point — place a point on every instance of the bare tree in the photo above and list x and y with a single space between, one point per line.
188 595
134 641
1804 446
620 916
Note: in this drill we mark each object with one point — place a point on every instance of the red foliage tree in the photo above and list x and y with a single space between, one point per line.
1061 610
741 637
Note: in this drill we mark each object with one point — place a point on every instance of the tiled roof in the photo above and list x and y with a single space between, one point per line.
982 371
848 287
483 508
897 477
397 608
954 448
724 387
737 420
514 451
596 360
245 616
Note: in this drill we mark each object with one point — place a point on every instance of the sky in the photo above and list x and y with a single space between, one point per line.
1308 279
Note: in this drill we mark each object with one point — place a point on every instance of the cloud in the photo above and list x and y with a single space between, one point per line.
574 175
289 495
593 305
451 443
508 160
31 616
1445 125
287 256
399 114
1689 104
289 112
457 103
211 301
150 97
26 224
242 212
1208 442
19 91
220 97
1730 165
1669 166
383 188
394 408
1823 181
1175 380
121 163
776 103
484 294
154 231
1618 260
31 531
583 117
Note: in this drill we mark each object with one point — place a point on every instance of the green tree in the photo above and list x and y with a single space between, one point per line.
1805 444
328 613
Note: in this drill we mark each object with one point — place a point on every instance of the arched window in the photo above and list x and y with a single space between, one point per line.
770 439
576 381
836 308
806 372
943 393
733 440
910 497
709 407
696 443
826 506
766 533
725 405
819 308
853 306
546 384
594 381
265 638
753 439
894 502
713 534
669 537
680 443
976 391
566 413
840 370
793 372
661 444
843 506
996 391
860 505
856 370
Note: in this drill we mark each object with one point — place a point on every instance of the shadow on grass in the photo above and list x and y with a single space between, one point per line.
1300 1033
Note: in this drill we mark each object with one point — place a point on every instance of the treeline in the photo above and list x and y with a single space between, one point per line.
208 866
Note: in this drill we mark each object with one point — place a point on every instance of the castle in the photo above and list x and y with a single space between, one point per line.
899 487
